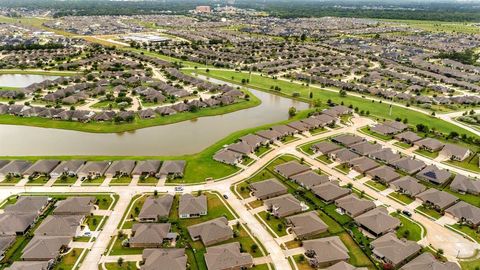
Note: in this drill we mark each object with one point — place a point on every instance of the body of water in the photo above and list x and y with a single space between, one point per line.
23 80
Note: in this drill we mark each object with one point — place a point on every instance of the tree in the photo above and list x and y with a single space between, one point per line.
292 111
311 95
406 233
120 261
254 248
343 93
279 227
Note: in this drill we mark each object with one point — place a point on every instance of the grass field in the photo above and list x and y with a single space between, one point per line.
409 229
428 212
376 109
439 26
401 198
376 185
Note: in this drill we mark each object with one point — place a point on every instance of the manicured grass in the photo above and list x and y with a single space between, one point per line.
68 261
106 105
273 223
470 264
426 153
10 181
324 159
68 181
263 150
468 231
81 239
137 123
469 198
376 109
260 267
256 203
428 211
38 181
409 229
439 26
93 182
402 198
302 264
94 222
6 88
357 256
471 163
125 266
376 185
331 211
402 145
122 181
149 181
343 168
381 137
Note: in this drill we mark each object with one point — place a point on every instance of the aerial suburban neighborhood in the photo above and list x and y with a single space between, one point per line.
239 134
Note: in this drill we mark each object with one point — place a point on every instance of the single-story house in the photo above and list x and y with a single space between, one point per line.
385 155
408 165
120 168
408 185
455 152
42 167
15 168
228 157
306 224
394 251
155 208
227 256
147 167
347 139
383 174
378 222
174 168
309 179
150 235
362 164
354 206
211 232
330 191
325 252
408 137
68 168
94 169
191 207
365 148
440 200
464 184
465 212
36 251
430 144
426 261
290 169
343 155
325 147
60 225
284 205
81 205
267 189
434 175
169 258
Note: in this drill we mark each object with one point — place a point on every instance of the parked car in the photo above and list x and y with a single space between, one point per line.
406 213
178 188
225 196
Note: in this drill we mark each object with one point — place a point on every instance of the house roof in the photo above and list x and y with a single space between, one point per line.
328 249
27 204
121 166
463 210
310 179
173 167
15 167
11 223
155 207
44 247
465 184
284 204
212 231
42 166
426 261
378 220
267 188
227 156
344 266
291 168
365 148
393 249
454 150
168 258
384 173
409 184
306 223
146 166
55 225
227 256
149 233
330 191
347 139
284 130
434 174
192 205
99 167
385 155
269 134
68 166
326 147
253 140
21 265
75 205
241 148
408 136
354 205
363 164
5 242
430 143
344 155
409 164
438 198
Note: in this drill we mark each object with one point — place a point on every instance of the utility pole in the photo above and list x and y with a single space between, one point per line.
250 75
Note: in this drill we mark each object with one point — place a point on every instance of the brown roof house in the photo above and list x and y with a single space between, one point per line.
94 169
68 168
378 222
394 251
284 205
16 223
227 257
385 155
343 155
309 179
363 164
440 200
383 174
45 248
464 184
347 139
28 204
408 185
173 168
426 261
253 140
156 208
429 144
454 152
408 137
365 148
211 232
150 235
325 147
291 168
15 168
325 252
42 167
330 191
408 165
268 189
120 168
306 224
64 225
21 265
228 157
354 206
147 167
434 175
464 212
191 207
168 258
344 266
82 205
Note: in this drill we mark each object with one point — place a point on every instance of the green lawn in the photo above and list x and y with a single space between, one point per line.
471 163
324 159
402 198
68 181
409 229
468 231
302 263
94 222
402 145
124 266
68 261
38 181
122 181
426 153
148 181
274 223
93 182
381 137
376 109
343 168
357 256
10 181
262 150
103 200
106 105
428 212
469 198
470 264
375 185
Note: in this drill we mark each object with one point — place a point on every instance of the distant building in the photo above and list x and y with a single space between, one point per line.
203 9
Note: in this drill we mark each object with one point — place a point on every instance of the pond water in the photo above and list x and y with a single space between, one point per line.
23 80
186 137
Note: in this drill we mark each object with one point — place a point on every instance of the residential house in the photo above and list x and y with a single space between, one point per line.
325 252
383 174
156 208
378 222
284 205
168 258
430 144
68 168
290 169
344 266
440 200
191 207
325 147
60 225
16 223
343 155
120 168
173 168
94 169
354 206
147 167
434 175
228 157
306 224
226 257
24 265
408 137
270 135
211 232
362 164
426 261
15 168
81 205
309 179
463 184
253 140
150 235
391 250
268 189
45 248
347 139
28 204
365 148
464 212
385 155
42 167
330 191
408 165
408 185
455 152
